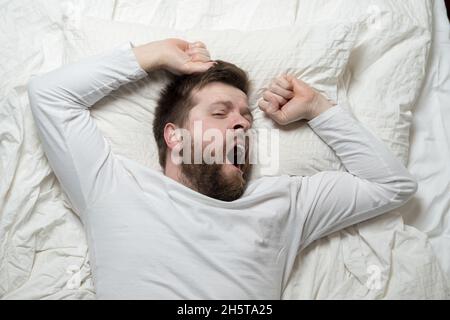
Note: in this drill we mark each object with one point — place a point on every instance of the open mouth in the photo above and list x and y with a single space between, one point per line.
236 156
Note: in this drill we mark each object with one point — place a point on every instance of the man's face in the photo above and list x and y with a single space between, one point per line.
221 114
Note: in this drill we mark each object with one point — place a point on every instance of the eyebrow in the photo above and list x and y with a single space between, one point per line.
229 105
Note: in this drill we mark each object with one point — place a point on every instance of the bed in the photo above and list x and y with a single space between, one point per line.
43 250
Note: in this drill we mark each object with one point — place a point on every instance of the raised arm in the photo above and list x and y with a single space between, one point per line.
60 100
376 182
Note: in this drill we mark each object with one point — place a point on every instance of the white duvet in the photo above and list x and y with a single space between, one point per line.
43 249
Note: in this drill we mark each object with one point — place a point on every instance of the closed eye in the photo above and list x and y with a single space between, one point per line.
219 113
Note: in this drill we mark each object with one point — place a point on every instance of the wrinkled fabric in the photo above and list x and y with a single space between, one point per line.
43 251
151 237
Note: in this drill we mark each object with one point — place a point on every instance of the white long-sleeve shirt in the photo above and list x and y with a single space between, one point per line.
151 237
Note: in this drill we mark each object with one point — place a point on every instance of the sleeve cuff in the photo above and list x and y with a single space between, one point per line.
128 54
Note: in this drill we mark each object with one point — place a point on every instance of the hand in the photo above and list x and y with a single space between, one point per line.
175 55
289 99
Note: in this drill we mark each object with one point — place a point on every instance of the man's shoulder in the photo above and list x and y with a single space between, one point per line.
270 184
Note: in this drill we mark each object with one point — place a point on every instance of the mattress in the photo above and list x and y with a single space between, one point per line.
43 248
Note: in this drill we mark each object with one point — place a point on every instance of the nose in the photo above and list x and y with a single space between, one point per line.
241 122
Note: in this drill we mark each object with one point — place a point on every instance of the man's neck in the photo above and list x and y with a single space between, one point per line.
174 172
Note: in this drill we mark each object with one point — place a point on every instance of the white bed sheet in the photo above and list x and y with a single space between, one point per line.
43 249
429 211
429 160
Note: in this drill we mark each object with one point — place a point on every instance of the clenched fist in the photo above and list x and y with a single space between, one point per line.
289 99
175 55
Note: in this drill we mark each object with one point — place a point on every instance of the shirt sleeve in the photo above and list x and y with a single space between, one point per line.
77 152
375 181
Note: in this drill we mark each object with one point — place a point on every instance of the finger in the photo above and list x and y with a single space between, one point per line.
284 81
200 58
268 106
270 96
263 105
286 94
193 67
279 117
202 51
275 113
298 82
304 90
197 44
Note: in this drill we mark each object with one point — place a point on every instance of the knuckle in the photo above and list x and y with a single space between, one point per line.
281 120
193 50
202 51
278 120
198 57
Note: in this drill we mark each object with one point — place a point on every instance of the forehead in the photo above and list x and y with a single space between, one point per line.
217 91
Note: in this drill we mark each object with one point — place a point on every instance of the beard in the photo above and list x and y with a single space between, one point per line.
212 180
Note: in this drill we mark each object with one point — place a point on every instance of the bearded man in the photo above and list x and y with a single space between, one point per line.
201 230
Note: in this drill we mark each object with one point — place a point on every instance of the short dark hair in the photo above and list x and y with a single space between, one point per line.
175 101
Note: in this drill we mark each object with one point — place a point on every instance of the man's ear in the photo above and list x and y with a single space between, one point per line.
171 137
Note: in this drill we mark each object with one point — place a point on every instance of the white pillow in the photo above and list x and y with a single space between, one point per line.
317 53
210 14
